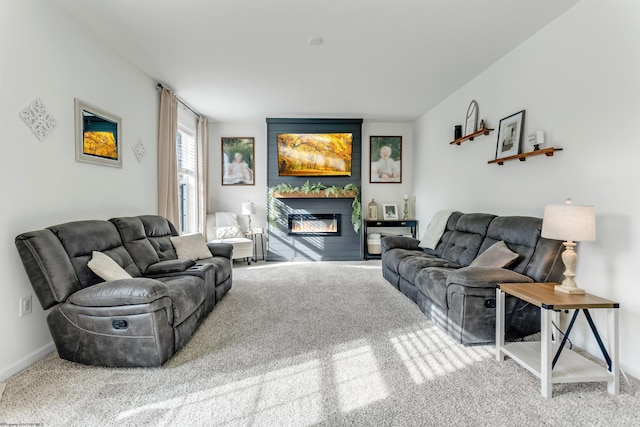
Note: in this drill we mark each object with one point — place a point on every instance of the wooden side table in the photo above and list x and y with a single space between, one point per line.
548 359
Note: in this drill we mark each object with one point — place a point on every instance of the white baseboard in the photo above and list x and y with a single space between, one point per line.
26 361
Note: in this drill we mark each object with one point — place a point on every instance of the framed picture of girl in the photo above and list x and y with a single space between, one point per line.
238 161
386 159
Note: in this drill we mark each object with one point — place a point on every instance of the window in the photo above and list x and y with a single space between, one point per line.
187 179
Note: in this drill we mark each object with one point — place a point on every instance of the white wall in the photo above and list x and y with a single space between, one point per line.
46 54
230 197
577 79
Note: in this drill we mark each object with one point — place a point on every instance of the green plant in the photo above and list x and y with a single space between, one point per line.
332 191
306 188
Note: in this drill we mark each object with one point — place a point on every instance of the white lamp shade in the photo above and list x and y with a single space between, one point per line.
569 222
248 208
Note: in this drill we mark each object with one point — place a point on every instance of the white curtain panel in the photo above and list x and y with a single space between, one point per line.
202 146
168 157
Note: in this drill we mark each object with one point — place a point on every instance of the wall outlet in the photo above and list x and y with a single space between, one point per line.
25 305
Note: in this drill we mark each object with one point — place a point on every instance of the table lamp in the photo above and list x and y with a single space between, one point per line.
570 223
248 208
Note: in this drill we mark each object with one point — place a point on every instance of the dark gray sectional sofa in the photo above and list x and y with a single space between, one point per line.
461 298
140 321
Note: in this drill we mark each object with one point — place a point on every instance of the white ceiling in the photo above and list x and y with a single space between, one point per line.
236 60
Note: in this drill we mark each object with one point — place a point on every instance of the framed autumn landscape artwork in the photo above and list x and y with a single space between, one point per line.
314 154
98 135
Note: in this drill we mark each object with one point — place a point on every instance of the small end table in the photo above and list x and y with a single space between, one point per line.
254 234
546 359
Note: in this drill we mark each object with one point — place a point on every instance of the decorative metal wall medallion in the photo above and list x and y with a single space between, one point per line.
139 150
38 119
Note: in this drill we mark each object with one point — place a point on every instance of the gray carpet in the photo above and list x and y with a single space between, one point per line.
301 344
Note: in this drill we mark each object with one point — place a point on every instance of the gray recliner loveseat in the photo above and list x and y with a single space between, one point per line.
138 321
461 297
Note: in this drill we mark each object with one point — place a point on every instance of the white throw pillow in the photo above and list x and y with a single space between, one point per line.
106 268
228 232
192 246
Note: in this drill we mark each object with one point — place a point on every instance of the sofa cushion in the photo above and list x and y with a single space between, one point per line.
497 255
222 267
81 238
159 230
106 268
393 257
432 281
485 277
186 293
464 243
121 292
169 266
192 246
409 267
135 240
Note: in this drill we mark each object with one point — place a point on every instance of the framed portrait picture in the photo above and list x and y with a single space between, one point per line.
98 135
238 163
386 159
510 135
389 211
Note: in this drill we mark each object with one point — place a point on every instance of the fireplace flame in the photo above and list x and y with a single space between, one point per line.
314 226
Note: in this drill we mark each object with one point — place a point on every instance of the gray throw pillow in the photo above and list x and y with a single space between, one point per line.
497 255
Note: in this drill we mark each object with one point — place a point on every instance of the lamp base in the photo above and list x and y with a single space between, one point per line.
569 289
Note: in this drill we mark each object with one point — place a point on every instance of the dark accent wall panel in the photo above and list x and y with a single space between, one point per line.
284 247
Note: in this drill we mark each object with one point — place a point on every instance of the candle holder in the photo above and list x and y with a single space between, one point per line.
406 208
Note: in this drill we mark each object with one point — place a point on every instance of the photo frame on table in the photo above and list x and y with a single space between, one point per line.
238 164
510 134
385 154
389 211
98 135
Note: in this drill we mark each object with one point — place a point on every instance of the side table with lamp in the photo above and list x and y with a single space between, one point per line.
546 358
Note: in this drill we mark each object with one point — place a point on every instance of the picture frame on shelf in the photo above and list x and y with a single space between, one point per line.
98 135
389 211
510 134
471 120
238 164
385 154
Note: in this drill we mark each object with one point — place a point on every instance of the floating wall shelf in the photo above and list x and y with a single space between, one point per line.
522 157
471 136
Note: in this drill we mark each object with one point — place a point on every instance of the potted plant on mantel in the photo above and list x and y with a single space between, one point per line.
308 190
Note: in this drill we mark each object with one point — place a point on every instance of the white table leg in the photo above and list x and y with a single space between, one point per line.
546 357
500 306
613 386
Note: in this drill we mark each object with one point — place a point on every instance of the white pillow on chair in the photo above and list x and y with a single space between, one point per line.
228 232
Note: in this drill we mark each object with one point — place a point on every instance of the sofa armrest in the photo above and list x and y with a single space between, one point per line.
169 266
485 277
220 249
399 242
133 291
